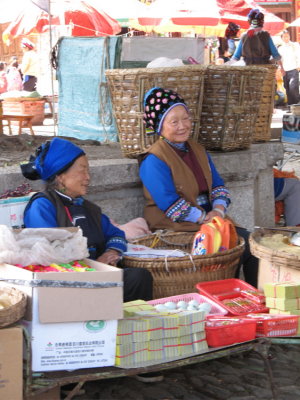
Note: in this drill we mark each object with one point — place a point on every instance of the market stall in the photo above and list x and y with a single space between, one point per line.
217 319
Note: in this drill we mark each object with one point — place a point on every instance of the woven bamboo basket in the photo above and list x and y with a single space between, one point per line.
13 313
179 275
262 130
127 88
231 104
275 257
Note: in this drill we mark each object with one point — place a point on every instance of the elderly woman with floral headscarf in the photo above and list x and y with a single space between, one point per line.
256 45
182 186
64 168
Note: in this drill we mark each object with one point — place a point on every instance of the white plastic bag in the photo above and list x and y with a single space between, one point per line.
41 246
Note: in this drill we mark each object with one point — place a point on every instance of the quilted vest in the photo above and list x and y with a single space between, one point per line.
184 181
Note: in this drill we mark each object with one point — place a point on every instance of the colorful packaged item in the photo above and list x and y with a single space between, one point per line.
217 235
227 231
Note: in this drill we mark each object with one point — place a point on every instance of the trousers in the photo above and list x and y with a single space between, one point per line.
248 261
291 85
290 195
138 284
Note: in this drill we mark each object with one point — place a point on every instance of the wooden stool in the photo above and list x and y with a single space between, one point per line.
21 118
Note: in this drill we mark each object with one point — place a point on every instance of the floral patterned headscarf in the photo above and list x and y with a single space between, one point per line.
157 103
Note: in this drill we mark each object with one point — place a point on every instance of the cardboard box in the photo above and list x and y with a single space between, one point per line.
11 363
70 345
12 210
69 304
270 273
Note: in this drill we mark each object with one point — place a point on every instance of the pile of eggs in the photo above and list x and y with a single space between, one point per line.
192 305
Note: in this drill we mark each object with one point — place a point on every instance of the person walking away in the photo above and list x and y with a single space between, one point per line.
3 78
256 45
290 57
14 79
29 66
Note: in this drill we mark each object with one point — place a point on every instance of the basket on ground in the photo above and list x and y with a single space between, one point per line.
277 258
179 275
27 106
231 104
262 128
128 87
15 311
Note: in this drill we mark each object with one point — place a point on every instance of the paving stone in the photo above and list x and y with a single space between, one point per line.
243 398
219 393
259 392
232 378
229 379
211 379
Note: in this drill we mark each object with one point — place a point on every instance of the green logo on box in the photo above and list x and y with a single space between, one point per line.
95 326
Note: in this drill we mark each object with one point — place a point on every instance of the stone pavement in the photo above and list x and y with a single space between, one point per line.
238 377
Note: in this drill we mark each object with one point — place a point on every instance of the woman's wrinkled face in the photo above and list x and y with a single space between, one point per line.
75 181
177 125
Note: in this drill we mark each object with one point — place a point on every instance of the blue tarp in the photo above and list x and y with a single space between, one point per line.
85 110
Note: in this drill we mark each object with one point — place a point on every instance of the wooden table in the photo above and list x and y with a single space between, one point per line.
23 119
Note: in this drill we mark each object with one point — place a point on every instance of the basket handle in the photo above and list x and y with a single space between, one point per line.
158 235
187 254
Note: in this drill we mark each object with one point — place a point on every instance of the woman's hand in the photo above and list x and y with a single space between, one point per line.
214 213
110 257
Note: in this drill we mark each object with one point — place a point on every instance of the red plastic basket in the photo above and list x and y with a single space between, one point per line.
229 290
215 310
275 325
232 330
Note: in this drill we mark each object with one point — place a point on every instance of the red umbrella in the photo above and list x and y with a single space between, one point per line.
272 24
82 19
207 13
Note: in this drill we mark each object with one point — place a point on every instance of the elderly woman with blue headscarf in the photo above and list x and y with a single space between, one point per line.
182 186
64 168
256 45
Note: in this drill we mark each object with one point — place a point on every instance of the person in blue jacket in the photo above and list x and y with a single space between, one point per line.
256 45
182 186
64 168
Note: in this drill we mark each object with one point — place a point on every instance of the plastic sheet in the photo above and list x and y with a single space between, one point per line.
85 109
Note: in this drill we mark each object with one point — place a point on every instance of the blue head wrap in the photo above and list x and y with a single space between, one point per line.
51 159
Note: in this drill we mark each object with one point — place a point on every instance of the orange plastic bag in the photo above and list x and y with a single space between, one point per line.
217 235
228 233
207 240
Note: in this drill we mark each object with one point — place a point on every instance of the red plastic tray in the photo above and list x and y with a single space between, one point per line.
228 290
231 330
271 325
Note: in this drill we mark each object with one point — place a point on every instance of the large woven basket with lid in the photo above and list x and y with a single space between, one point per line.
127 89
